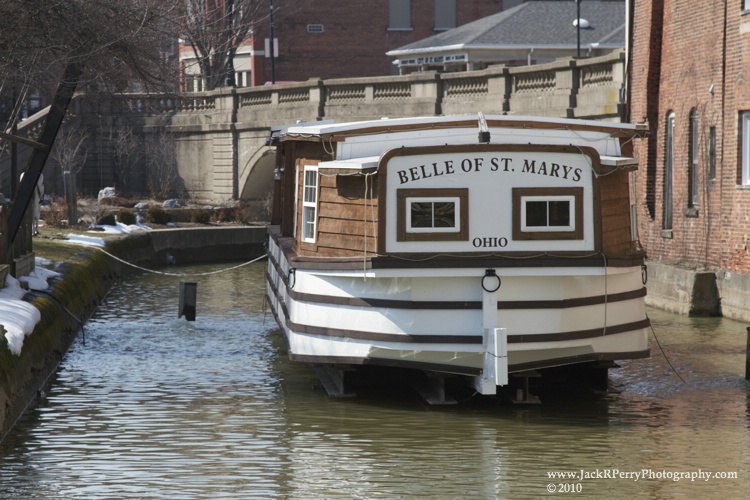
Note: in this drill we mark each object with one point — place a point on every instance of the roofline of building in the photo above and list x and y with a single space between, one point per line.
465 47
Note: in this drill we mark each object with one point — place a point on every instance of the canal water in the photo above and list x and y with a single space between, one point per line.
153 406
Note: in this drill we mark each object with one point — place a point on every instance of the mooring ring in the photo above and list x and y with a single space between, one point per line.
490 273
292 277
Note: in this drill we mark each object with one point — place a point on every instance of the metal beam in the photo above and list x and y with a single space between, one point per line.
23 140
25 192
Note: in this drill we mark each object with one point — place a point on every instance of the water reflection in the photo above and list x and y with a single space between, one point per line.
158 407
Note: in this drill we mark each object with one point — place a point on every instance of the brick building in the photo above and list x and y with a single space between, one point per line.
340 39
689 78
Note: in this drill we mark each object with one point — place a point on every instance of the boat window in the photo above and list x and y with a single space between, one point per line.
309 203
548 214
432 214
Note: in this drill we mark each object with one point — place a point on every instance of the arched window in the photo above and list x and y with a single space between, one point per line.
745 127
666 223
693 160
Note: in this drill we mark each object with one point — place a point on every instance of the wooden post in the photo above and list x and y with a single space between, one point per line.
747 356
188 299
71 197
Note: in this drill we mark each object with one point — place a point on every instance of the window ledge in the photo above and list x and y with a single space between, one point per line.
666 234
691 212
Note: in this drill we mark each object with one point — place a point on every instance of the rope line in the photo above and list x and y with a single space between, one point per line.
665 354
178 274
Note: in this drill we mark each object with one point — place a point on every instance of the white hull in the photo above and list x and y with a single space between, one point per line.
551 316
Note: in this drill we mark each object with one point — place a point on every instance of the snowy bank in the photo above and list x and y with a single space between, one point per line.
97 241
17 316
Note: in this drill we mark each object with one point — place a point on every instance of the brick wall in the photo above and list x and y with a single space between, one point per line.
680 50
355 35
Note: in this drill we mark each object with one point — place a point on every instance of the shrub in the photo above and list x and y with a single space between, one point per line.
157 215
55 214
117 201
223 214
126 217
200 216
107 219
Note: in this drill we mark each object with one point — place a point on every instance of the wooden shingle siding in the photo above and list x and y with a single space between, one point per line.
615 214
343 214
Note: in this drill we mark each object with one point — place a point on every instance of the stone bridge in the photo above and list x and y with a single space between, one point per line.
217 139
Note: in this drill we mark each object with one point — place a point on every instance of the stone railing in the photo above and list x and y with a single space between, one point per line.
552 89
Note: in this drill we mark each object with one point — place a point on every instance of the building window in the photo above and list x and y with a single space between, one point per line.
693 160
445 14
745 180
309 204
548 213
399 15
242 79
666 223
432 214
193 83
315 28
712 153
745 4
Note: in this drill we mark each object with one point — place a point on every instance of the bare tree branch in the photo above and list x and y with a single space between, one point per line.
215 29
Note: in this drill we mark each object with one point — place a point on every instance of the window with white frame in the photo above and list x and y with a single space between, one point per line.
668 193
745 4
445 14
745 124
693 161
242 79
432 214
547 213
712 152
399 15
309 203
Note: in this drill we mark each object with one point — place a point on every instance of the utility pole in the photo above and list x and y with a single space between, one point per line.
230 29
273 47
578 28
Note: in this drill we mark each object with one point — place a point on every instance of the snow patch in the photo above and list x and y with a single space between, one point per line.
18 317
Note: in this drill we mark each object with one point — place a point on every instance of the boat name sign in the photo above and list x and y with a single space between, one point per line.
535 199
492 164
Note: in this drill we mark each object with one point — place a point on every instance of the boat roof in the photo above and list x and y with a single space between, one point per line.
362 127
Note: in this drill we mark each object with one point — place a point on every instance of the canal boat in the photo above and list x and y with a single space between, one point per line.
474 246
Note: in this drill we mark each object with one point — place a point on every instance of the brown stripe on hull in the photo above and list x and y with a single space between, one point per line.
442 261
463 339
456 305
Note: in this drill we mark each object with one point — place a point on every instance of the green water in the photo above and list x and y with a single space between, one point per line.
153 406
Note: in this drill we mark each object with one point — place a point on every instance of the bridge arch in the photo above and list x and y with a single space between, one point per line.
256 174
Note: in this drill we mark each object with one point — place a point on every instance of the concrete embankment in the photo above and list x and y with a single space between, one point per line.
85 280
698 292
